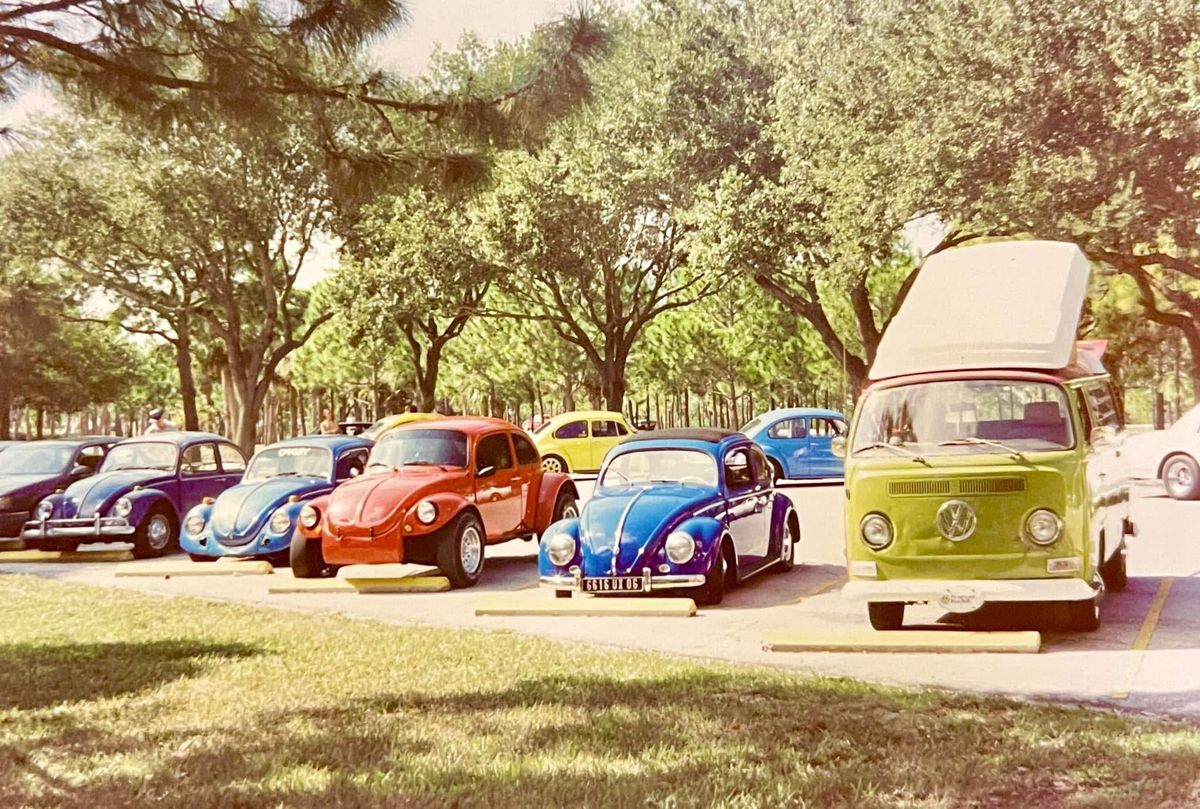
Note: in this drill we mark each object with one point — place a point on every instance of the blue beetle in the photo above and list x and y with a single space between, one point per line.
688 508
256 518
138 494
797 441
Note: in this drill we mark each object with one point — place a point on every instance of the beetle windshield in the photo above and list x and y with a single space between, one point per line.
686 466
141 455
309 462
35 459
420 447
751 426
972 415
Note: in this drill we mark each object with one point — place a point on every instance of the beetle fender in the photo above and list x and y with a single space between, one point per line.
448 504
188 542
321 504
143 500
553 484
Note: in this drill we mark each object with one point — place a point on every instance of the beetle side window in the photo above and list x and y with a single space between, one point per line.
764 475
231 458
351 464
605 429
739 475
493 451
527 454
199 459
574 429
90 456
827 428
621 428
788 428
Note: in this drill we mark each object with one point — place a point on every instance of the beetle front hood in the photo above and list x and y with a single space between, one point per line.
240 511
86 497
643 515
380 500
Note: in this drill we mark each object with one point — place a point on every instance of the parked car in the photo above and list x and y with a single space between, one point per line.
1168 455
138 494
578 441
686 508
256 518
798 441
386 424
31 470
985 454
434 493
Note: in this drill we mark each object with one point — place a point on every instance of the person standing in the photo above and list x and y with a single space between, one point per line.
328 425
159 423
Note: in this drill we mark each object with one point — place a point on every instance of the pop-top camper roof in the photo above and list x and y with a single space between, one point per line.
996 305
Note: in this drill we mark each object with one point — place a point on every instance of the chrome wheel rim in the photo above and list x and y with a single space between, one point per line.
470 550
158 532
1179 477
787 542
551 465
570 511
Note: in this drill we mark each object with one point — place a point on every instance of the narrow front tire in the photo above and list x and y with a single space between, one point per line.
886 616
460 552
306 558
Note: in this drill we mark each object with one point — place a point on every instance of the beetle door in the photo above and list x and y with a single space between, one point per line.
745 510
605 435
821 460
529 471
789 438
200 475
497 486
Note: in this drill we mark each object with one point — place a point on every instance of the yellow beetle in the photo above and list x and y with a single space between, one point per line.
578 441
388 423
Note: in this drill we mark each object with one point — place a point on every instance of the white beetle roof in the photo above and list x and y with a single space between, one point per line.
997 305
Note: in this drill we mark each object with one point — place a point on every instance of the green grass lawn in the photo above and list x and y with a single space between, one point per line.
109 698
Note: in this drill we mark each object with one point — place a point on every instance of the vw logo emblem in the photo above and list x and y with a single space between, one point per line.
956 520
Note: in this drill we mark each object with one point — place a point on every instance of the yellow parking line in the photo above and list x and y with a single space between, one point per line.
1142 642
820 589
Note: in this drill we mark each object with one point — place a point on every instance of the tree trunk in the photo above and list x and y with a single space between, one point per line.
187 380
6 399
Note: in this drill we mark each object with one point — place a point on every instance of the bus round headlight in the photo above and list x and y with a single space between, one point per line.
426 512
122 507
876 531
561 549
280 521
194 525
45 509
680 547
309 517
1043 527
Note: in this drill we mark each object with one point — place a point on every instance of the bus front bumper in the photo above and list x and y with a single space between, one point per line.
968 595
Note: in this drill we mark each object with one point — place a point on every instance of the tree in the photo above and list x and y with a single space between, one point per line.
419 281
27 325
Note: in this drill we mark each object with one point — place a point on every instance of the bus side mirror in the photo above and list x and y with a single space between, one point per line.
838 446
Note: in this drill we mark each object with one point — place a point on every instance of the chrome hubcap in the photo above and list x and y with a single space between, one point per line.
470 550
551 465
787 542
158 531
1180 477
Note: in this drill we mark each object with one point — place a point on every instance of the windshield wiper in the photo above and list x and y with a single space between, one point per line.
420 463
982 442
897 448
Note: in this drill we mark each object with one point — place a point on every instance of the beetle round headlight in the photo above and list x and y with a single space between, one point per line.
561 549
45 509
426 512
194 525
280 521
680 547
122 507
876 531
1043 527
309 517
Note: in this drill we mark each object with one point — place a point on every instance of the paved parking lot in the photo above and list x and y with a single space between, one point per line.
1145 657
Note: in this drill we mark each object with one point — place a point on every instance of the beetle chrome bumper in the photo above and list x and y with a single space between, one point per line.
96 527
946 591
649 582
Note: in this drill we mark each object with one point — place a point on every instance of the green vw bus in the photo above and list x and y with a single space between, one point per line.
984 459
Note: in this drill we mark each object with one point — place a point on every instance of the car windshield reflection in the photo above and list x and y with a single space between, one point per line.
314 462
142 455
650 466
420 447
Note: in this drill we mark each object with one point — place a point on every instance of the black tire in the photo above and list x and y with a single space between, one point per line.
886 616
460 551
306 559
562 593
566 507
550 462
1082 616
156 534
776 470
791 535
1181 477
712 592
196 557
1113 571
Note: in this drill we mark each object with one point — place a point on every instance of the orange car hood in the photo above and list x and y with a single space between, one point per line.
380 500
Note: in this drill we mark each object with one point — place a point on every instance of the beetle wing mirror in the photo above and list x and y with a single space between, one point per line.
837 446
80 471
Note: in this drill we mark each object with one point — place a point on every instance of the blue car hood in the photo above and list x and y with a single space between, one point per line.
36 486
85 497
648 515
241 510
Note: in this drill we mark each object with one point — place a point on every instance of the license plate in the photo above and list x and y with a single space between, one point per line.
960 598
623 584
